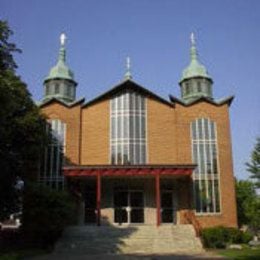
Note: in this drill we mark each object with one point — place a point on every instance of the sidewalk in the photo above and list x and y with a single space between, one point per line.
203 256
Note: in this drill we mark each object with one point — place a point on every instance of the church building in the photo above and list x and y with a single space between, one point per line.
133 157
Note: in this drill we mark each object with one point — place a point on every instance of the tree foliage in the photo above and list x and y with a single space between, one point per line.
248 205
46 213
6 48
254 166
245 195
22 132
220 237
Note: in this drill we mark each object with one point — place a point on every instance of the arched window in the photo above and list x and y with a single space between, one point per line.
128 129
206 175
51 165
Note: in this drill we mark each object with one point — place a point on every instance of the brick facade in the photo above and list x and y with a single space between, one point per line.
168 142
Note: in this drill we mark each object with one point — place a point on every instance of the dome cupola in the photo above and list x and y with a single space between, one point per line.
195 81
60 81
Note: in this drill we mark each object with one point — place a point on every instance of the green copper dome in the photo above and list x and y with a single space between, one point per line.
60 83
195 81
195 68
60 70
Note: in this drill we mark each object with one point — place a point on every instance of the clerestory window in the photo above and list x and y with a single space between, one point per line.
128 128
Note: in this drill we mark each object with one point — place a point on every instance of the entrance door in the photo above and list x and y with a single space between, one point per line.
90 206
167 207
136 199
129 206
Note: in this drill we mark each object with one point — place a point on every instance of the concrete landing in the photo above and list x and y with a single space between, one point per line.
140 240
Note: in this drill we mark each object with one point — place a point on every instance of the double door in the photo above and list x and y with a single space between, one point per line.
168 204
128 206
90 205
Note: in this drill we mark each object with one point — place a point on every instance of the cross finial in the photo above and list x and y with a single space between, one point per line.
128 68
63 39
192 39
128 63
193 49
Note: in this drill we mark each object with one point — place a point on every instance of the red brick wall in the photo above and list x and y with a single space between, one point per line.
96 134
70 116
168 141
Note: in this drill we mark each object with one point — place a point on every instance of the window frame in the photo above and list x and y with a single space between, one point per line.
199 144
128 128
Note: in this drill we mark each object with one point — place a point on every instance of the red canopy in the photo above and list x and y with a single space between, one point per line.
128 170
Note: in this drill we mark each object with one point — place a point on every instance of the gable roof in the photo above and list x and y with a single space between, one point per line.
127 84
227 100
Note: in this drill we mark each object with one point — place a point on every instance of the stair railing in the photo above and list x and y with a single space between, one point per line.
190 218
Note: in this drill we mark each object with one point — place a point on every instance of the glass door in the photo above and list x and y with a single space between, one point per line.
167 207
128 207
136 206
90 206
121 207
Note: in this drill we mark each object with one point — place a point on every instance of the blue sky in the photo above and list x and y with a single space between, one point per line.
155 34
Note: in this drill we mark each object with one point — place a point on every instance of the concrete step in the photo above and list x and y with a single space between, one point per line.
141 239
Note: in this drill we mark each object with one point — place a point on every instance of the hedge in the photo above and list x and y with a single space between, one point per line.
220 237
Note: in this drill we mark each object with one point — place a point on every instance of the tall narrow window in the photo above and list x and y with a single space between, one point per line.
128 129
56 88
199 86
188 88
206 175
51 165
47 90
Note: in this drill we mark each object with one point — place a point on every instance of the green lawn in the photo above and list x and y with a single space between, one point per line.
246 253
20 254
10 256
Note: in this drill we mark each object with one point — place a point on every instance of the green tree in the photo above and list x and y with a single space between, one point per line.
245 194
248 205
46 213
252 211
6 48
254 166
22 132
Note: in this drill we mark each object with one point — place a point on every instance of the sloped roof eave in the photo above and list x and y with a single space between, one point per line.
127 84
221 102
54 99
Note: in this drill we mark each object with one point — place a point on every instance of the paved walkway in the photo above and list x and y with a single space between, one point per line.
203 256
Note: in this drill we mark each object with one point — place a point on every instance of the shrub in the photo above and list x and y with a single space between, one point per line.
46 213
246 237
234 235
214 237
219 237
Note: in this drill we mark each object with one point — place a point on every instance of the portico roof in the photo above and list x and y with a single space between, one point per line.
128 170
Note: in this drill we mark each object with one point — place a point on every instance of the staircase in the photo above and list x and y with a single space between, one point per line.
143 239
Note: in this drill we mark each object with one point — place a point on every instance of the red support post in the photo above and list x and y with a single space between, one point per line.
98 205
158 198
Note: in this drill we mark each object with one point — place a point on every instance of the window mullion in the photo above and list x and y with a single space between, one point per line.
134 128
199 166
211 164
116 129
205 164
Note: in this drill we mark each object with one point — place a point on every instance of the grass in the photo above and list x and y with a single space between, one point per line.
20 254
243 254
